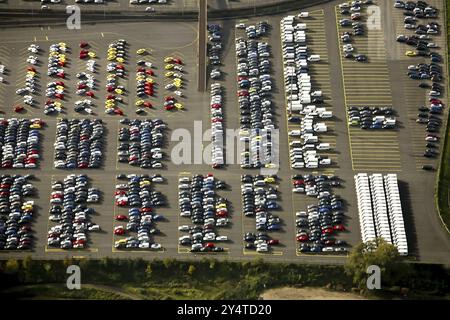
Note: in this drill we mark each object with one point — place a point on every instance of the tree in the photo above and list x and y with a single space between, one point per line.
376 253
12 266
149 270
191 270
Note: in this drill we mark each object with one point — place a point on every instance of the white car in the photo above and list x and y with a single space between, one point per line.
221 238
184 228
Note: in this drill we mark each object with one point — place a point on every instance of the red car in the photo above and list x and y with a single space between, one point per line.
119 232
140 69
149 72
145 209
328 230
83 44
273 242
222 214
59 96
339 227
216 106
302 238
209 245
118 111
169 98
81 86
121 217
18 108
121 203
169 107
31 69
148 104
177 61
90 94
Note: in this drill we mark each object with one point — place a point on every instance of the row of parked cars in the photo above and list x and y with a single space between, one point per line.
255 102
380 210
79 143
31 79
20 143
139 196
417 9
367 117
145 87
217 128
259 197
354 10
117 54
318 225
198 201
174 76
16 213
215 50
70 214
303 103
141 143
430 115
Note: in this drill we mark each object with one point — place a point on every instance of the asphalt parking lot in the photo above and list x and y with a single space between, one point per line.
381 81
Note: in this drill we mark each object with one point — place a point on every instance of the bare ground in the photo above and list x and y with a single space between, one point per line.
288 293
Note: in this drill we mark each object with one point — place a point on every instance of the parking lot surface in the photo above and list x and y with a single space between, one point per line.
381 81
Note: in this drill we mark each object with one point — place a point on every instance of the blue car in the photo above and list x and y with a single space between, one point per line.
273 227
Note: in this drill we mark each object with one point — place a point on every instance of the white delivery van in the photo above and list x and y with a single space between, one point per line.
296 107
325 162
305 99
316 94
301 26
323 146
310 139
303 14
314 58
326 114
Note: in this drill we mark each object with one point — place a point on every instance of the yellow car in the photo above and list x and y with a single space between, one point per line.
144 183
35 126
110 76
140 78
141 51
410 53
168 74
121 241
169 66
269 180
118 91
110 58
59 87
177 84
179 106
120 60
62 44
57 104
168 59
222 205
270 165
91 54
139 102
149 80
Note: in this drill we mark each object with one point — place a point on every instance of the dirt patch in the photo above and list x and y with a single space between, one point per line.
308 294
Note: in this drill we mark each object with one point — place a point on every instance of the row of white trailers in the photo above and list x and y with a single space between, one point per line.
380 210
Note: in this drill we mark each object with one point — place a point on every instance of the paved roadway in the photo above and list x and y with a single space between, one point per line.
426 237
124 5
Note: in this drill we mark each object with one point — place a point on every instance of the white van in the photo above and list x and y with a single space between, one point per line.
323 146
303 14
314 58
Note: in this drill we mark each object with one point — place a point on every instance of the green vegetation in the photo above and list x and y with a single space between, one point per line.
211 279
443 184
378 253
